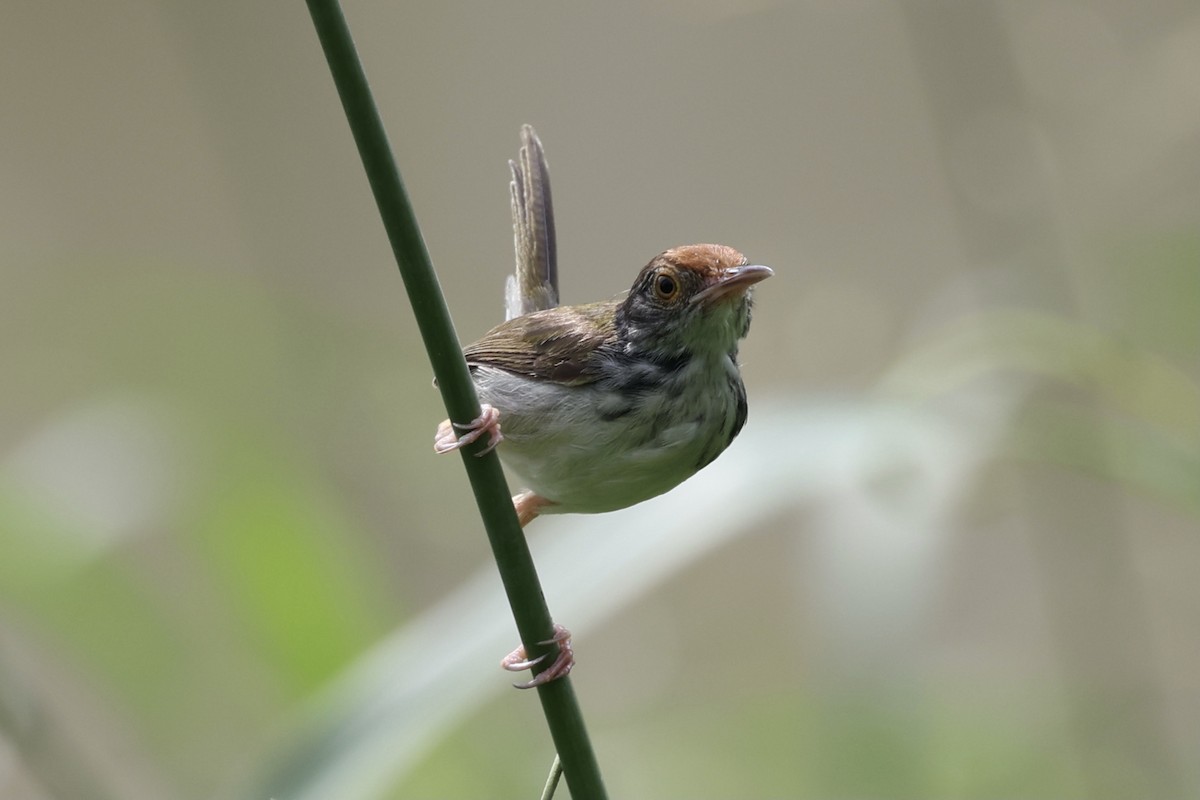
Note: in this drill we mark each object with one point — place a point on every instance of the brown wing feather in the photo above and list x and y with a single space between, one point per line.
563 344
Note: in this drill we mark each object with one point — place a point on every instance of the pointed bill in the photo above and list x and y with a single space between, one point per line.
732 281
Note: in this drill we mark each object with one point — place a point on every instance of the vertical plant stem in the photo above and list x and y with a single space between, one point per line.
512 556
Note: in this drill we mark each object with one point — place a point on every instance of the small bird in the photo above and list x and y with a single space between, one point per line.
606 404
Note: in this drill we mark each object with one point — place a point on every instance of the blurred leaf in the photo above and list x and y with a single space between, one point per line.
38 544
280 548
1149 434
112 626
1131 380
1151 292
1120 450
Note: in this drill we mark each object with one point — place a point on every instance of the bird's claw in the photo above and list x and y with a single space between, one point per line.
447 439
517 661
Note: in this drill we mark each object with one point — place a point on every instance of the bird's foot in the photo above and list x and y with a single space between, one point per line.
528 505
488 421
517 661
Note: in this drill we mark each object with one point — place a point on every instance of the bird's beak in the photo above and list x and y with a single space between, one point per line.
732 281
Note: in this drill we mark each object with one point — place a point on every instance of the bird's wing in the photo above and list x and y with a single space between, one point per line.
534 285
566 345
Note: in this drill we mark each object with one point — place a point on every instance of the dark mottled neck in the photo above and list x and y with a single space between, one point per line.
642 363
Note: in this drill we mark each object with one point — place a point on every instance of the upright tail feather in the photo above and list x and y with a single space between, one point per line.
534 285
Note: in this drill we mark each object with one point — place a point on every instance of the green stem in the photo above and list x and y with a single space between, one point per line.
552 779
513 560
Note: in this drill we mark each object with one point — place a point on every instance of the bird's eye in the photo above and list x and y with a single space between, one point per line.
665 287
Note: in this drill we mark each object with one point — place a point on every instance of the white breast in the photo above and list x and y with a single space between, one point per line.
590 450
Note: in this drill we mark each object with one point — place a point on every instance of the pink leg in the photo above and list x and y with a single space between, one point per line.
516 661
488 421
529 505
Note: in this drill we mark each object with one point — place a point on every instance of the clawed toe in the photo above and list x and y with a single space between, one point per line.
446 439
517 661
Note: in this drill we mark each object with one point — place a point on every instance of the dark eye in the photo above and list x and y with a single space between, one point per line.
665 287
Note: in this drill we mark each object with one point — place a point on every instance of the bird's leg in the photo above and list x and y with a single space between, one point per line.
528 505
488 421
516 661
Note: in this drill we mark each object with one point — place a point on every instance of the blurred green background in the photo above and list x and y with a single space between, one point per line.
955 553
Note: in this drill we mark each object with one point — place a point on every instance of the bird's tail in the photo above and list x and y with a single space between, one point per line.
534 285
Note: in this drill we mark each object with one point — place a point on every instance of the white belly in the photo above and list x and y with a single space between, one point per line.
589 450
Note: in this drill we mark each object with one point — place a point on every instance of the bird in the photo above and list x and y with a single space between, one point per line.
600 406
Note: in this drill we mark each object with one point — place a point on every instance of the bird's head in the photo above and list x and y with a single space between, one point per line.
690 300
